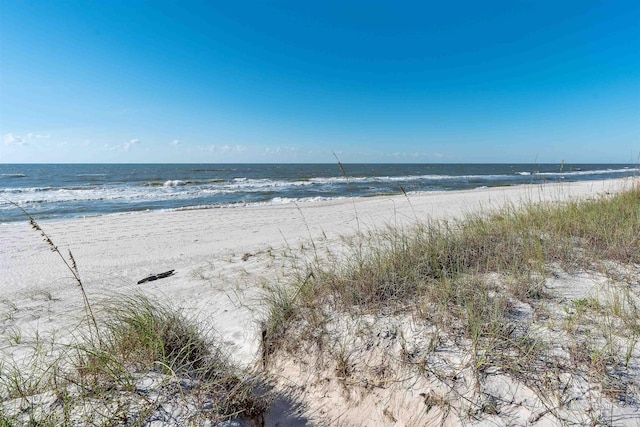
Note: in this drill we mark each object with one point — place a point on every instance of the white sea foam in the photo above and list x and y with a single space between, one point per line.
591 172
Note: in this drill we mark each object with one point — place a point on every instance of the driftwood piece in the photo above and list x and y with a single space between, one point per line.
153 277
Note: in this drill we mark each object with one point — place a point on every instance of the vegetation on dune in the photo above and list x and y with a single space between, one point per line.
388 270
150 358
479 286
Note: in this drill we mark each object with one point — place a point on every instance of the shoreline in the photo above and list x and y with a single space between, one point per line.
221 256
66 192
595 185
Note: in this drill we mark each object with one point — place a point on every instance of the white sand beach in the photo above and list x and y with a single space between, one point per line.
220 256
206 250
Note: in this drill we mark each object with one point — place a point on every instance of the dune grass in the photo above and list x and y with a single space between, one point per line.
150 362
477 287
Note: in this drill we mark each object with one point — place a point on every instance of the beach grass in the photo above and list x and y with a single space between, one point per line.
452 305
151 361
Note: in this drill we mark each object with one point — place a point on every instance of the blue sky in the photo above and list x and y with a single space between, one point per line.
294 81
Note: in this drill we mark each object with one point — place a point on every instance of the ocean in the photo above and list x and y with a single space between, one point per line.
61 191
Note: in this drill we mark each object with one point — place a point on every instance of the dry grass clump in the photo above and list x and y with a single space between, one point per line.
150 363
474 288
149 336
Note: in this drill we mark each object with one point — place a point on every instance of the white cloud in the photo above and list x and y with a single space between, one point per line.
32 135
11 139
131 143
176 142
280 149
224 149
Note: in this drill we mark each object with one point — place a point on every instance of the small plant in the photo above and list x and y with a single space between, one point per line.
12 308
633 342
14 335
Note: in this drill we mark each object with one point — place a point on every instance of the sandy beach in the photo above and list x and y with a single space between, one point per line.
220 256
306 213
223 258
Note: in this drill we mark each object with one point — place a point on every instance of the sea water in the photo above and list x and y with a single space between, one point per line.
60 191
